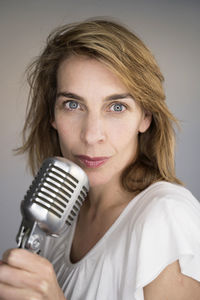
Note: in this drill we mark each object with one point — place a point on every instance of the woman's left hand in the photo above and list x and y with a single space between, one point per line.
25 275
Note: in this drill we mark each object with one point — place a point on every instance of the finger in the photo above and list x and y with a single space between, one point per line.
19 258
23 259
9 293
17 277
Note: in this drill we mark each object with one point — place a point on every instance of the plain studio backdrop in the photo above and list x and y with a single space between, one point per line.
170 28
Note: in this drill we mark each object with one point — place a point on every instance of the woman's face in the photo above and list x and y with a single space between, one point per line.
97 120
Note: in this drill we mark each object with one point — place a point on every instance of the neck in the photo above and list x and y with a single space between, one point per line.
102 198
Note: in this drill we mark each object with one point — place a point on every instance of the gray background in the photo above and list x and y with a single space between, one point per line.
170 28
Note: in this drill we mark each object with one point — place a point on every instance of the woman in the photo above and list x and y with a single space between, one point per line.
97 97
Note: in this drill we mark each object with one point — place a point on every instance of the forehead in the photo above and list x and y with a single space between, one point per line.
85 71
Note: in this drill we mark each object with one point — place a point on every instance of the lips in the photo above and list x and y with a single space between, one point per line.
92 162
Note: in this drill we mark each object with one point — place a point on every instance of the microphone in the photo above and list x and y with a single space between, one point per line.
52 201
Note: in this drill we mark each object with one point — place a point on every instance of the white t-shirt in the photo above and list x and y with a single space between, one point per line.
159 226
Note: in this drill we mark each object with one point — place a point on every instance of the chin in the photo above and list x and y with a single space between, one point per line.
97 180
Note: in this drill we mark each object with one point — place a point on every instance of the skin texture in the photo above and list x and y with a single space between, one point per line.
94 128
24 275
94 116
171 284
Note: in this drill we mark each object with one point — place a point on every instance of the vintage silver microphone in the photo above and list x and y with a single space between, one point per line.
52 201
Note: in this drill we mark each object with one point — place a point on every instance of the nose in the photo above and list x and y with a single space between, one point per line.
93 129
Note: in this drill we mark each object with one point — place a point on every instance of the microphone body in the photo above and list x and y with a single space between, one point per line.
51 202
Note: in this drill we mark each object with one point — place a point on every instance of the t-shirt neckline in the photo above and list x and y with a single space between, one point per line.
102 240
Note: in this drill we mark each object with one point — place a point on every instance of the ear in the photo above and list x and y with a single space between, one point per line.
53 124
146 122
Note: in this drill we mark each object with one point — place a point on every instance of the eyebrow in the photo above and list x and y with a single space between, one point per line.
108 98
69 95
119 96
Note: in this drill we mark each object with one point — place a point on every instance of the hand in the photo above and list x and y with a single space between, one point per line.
25 275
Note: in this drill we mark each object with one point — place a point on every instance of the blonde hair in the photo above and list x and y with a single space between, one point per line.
127 56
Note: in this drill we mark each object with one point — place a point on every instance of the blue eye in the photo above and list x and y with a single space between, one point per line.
117 107
72 105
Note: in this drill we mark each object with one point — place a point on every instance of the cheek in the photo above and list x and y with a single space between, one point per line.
65 126
65 133
123 133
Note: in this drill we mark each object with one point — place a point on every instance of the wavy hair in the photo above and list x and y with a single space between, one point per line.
127 56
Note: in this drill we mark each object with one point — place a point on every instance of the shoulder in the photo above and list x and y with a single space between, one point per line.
164 199
167 228
168 213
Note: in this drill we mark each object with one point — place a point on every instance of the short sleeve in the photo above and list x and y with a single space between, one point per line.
169 230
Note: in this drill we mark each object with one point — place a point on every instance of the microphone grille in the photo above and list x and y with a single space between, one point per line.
56 194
